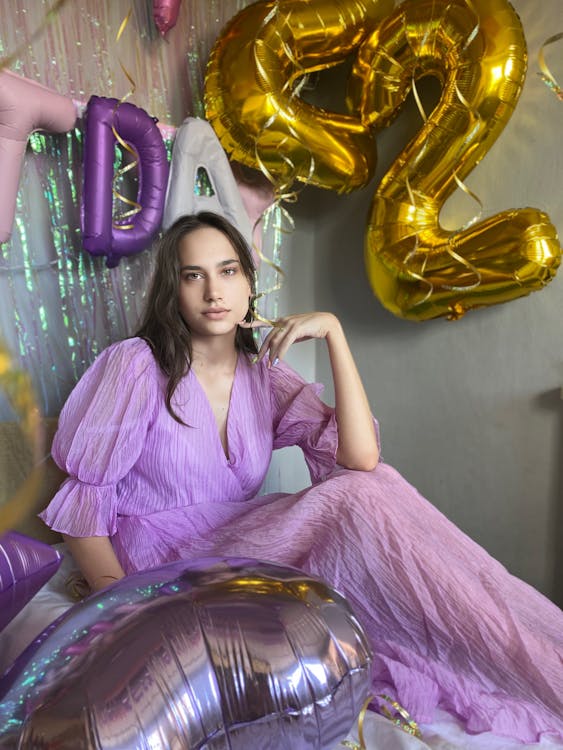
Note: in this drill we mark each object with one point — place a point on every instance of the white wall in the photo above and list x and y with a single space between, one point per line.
288 472
470 410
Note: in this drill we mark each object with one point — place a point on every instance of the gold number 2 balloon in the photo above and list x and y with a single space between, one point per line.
253 84
476 48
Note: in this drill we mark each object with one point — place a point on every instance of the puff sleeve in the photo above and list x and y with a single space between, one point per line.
102 429
301 418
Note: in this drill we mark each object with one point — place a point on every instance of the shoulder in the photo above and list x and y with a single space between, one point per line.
127 359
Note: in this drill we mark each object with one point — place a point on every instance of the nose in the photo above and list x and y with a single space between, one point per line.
213 289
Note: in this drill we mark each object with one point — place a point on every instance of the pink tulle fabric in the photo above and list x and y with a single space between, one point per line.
450 627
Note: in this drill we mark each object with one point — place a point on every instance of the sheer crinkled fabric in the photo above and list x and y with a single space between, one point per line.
450 627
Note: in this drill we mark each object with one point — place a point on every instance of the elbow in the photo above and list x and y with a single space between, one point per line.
359 462
371 465
367 464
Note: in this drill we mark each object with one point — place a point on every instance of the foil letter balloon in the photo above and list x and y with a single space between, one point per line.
476 48
196 146
100 234
165 14
227 654
253 83
25 106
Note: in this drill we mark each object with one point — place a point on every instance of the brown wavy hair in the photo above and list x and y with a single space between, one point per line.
162 326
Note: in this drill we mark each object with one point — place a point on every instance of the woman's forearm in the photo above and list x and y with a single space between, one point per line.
357 443
96 558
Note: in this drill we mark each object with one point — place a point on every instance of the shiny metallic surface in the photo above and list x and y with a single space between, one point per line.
417 269
253 83
222 653
25 566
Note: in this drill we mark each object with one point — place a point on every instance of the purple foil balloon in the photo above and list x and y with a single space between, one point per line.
25 566
140 132
216 653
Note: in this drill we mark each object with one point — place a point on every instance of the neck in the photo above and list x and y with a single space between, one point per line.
217 352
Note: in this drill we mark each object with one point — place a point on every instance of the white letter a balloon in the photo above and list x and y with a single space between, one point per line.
196 146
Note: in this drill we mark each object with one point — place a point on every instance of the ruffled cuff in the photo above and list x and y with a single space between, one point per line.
80 509
301 418
320 445
320 449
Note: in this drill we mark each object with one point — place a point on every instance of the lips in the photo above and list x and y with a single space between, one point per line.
216 313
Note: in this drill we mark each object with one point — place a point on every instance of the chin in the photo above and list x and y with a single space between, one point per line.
214 328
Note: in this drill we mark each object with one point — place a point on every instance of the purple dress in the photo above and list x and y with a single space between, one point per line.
450 627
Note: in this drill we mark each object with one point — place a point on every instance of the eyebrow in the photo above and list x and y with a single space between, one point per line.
219 265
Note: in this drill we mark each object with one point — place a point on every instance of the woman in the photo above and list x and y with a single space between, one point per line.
167 439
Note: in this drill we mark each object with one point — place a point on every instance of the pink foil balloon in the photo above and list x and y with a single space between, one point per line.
25 106
165 14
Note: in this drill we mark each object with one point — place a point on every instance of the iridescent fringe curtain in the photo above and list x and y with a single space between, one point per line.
59 305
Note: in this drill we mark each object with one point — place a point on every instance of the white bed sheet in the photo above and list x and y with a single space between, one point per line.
445 732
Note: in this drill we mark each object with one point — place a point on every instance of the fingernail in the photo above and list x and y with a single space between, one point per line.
276 360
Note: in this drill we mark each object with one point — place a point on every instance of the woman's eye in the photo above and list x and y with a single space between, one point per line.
192 276
229 271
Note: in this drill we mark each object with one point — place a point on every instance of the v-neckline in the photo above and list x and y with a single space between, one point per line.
228 455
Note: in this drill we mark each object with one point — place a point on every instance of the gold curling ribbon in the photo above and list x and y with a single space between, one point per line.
409 257
21 397
477 116
283 193
546 75
403 720
454 314
126 73
136 207
361 718
276 206
50 16
475 29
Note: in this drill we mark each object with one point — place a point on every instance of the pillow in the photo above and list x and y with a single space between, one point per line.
25 566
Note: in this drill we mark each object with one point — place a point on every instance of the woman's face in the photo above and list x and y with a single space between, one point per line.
213 293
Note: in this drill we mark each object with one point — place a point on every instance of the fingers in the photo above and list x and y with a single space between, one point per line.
254 324
276 343
288 330
272 341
